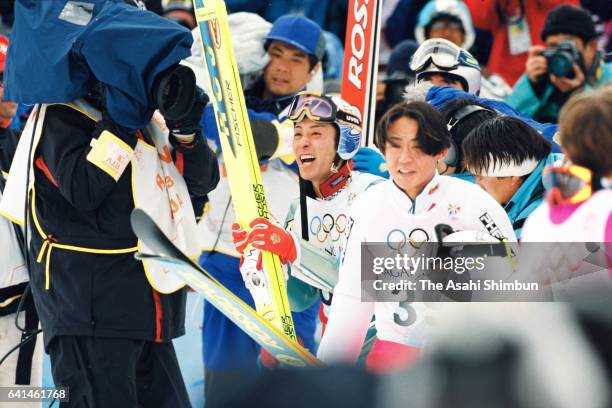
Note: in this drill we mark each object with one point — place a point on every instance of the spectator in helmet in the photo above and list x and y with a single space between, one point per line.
180 11
449 19
443 63
569 63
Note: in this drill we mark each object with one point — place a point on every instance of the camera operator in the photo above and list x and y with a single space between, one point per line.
569 63
84 161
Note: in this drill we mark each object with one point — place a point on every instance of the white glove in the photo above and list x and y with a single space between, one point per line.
254 277
248 32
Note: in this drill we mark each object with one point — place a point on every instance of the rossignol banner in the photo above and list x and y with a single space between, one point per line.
360 66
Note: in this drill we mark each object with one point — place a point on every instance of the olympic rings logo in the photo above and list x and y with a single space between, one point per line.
397 239
327 227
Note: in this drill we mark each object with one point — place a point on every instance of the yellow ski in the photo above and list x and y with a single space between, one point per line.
239 149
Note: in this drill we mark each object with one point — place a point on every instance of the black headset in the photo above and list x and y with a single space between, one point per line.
454 153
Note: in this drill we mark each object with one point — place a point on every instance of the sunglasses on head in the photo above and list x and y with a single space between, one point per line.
319 108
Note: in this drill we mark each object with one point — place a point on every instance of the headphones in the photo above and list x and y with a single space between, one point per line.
454 152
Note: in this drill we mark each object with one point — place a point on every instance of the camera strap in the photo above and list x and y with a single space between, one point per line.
594 73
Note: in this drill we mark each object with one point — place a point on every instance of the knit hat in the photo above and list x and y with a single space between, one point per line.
572 20
399 60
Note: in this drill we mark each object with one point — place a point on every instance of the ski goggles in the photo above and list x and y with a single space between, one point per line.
444 55
568 183
319 108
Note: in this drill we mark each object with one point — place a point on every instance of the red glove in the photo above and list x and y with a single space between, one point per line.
270 237
267 359
239 236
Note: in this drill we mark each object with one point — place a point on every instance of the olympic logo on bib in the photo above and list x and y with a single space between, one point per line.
397 239
327 227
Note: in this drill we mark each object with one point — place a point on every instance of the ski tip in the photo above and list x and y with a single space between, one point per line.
139 219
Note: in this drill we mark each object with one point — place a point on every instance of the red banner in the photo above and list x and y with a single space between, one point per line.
361 61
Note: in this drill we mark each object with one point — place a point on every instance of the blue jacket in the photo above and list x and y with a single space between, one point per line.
438 96
545 104
529 196
69 46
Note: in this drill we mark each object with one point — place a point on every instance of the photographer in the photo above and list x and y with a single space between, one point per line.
569 63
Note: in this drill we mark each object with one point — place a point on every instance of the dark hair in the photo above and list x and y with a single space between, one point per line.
432 135
503 140
312 61
462 128
443 16
586 130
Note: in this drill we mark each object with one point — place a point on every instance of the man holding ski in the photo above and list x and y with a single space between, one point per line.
327 135
295 46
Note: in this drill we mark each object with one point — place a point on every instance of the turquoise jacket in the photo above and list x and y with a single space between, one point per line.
529 196
524 99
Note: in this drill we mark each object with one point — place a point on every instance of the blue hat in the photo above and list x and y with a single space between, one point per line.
300 32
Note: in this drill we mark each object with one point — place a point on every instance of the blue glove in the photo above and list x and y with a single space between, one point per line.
368 160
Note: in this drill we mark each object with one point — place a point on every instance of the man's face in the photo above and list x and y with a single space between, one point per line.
314 146
288 70
443 80
500 188
8 110
410 168
588 52
448 29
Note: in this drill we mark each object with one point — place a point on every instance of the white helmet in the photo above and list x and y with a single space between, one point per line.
453 8
330 109
437 55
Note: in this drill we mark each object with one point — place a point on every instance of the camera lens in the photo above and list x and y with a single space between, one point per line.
561 65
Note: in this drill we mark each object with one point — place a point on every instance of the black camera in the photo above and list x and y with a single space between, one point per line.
174 92
561 59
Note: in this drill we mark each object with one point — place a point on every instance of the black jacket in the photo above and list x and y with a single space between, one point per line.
8 144
78 204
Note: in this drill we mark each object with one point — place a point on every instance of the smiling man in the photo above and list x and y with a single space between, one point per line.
296 46
412 137
327 136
